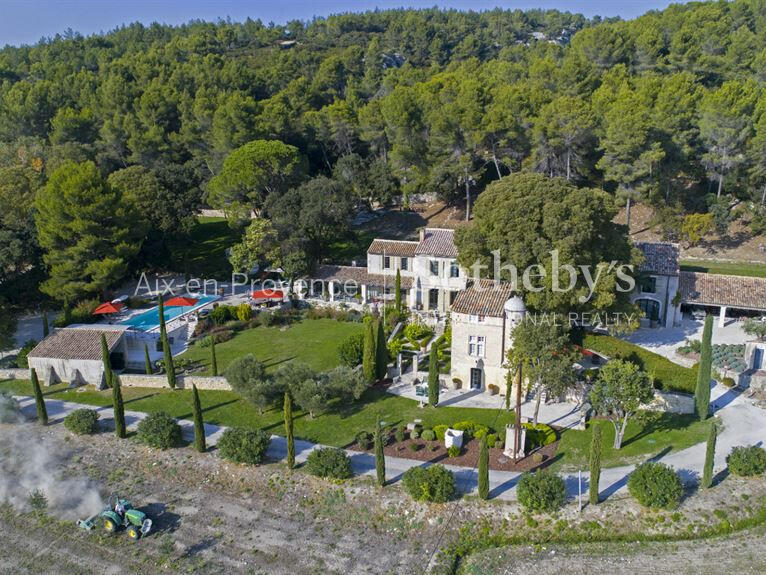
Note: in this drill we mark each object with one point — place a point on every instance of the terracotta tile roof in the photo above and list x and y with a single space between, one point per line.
488 299
75 343
661 258
438 242
397 248
359 275
716 289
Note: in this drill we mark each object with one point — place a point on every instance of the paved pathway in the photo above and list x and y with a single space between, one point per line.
743 424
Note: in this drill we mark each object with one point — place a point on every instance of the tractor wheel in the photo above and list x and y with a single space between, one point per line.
133 532
109 526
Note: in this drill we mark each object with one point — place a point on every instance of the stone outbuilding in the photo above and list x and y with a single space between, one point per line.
73 355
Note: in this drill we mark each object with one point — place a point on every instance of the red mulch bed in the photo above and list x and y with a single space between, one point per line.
469 456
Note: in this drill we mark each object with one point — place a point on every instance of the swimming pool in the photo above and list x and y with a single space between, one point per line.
149 319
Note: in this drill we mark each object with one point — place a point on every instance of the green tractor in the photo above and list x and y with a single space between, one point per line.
120 513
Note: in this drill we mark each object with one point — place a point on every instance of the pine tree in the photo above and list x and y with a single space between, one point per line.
46 325
380 458
381 353
433 377
167 352
42 412
107 362
595 464
147 361
484 470
289 431
213 359
118 408
398 294
199 424
702 393
707 472
369 370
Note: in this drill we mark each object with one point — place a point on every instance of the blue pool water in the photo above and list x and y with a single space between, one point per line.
149 319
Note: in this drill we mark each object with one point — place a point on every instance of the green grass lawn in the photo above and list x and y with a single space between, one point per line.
312 341
726 268
203 254
667 375
338 428
657 433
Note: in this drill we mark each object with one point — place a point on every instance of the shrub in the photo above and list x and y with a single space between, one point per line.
244 312
242 445
453 451
159 430
414 446
541 491
747 461
21 358
414 434
416 332
82 313
364 440
491 440
82 421
440 431
9 408
329 462
434 484
471 429
351 350
399 434
729 382
655 485
539 435
217 337
428 434
223 313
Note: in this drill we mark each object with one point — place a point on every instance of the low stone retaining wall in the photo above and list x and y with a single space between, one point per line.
182 381
671 403
11 373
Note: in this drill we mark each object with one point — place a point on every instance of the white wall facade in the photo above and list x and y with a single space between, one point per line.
666 289
490 361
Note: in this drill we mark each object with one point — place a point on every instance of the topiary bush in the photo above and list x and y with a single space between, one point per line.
491 440
539 435
82 421
433 484
364 440
329 462
159 430
440 431
242 445
428 434
541 491
747 461
655 485
471 429
453 451
399 434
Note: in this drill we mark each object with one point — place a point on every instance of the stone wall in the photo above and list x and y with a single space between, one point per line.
182 381
14 373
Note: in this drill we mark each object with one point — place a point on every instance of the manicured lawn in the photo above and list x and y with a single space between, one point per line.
658 433
312 341
726 268
338 428
667 375
204 253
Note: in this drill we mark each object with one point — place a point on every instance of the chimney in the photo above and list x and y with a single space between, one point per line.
422 234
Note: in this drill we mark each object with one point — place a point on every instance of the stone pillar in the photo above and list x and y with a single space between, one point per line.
331 290
364 293
399 362
722 317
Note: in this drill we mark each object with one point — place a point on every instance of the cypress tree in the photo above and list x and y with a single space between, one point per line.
119 409
380 458
595 464
398 294
199 425
108 374
368 356
702 392
707 472
147 361
289 431
46 325
484 470
433 377
381 353
42 412
213 359
67 312
167 352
